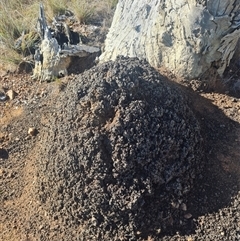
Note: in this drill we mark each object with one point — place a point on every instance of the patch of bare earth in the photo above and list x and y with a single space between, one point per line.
18 205
213 208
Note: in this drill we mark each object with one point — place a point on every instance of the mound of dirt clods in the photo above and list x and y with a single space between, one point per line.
118 155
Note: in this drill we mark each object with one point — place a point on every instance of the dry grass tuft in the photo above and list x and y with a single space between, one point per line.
83 10
18 17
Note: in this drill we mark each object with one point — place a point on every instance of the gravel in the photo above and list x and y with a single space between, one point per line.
42 182
118 156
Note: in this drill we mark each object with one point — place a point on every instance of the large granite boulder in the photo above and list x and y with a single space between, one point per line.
192 39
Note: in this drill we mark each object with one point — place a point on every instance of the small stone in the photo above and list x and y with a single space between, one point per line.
11 94
28 137
11 174
32 131
183 207
175 205
188 215
3 97
1 172
3 153
40 227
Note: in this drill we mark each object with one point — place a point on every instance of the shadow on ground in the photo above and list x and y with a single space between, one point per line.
215 188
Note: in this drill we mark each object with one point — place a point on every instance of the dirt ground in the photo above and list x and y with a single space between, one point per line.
213 208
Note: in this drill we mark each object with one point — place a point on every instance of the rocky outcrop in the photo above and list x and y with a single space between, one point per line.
119 152
189 38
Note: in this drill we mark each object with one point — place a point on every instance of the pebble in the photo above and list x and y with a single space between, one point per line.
175 205
187 215
3 153
2 172
40 227
32 131
3 97
11 94
11 174
183 207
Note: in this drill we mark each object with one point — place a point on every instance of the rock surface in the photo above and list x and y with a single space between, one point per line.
186 37
121 146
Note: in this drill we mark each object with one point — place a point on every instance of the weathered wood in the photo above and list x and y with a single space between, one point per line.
186 37
53 59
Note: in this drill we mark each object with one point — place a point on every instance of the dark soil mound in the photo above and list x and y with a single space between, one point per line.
120 149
